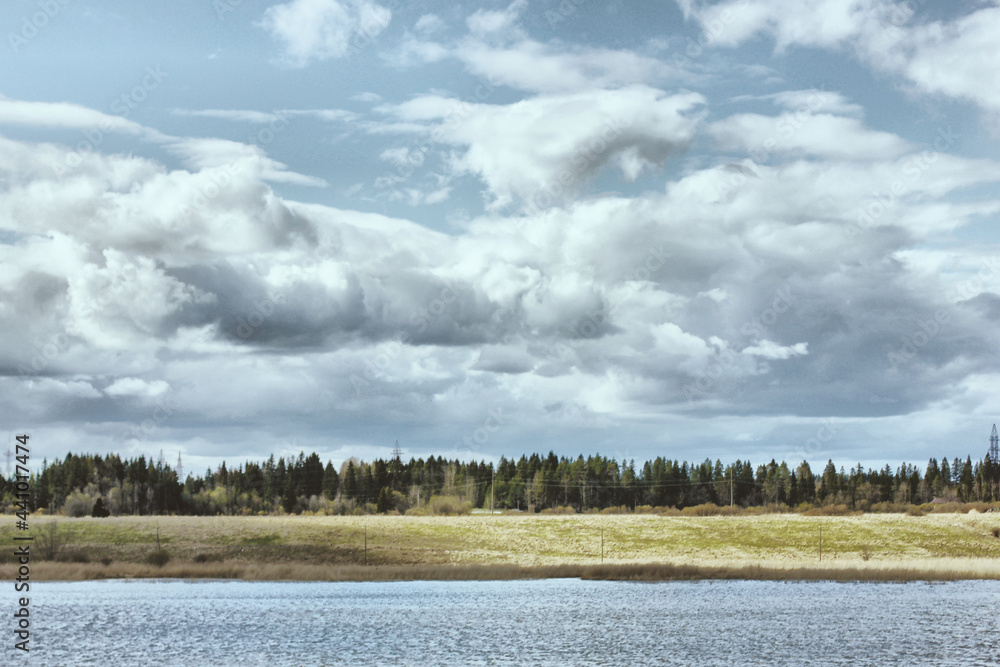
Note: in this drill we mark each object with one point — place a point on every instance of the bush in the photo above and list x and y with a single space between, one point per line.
913 510
705 509
828 510
996 532
159 557
208 558
561 509
78 504
51 540
105 560
75 556
448 506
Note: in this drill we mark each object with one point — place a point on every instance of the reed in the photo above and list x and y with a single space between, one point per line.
948 570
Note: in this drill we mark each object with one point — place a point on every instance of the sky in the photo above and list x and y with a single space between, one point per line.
748 229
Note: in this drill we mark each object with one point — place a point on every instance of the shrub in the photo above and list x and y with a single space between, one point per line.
51 540
75 556
449 505
159 557
78 504
207 558
996 532
913 510
105 560
828 510
561 509
705 509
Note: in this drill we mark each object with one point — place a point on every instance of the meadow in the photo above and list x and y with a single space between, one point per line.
508 546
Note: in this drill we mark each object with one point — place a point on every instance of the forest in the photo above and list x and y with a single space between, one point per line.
84 485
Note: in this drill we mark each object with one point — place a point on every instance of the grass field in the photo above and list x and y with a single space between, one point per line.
772 546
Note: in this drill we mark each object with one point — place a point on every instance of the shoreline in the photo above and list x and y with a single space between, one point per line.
915 571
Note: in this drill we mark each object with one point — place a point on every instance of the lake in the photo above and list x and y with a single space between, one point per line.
542 622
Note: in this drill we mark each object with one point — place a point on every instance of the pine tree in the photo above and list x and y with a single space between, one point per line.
331 481
99 510
384 503
965 481
288 499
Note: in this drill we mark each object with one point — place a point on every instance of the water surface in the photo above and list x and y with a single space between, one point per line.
546 622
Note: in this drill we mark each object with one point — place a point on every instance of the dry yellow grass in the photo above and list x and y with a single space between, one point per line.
872 546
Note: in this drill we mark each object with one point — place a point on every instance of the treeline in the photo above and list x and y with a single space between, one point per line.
87 484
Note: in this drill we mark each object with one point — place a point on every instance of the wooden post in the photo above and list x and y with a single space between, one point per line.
366 545
602 544
821 544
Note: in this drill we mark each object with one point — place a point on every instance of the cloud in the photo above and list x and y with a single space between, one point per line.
276 118
532 66
771 350
130 386
429 24
950 58
803 133
203 154
816 101
412 51
547 146
484 21
70 116
947 57
323 29
367 97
